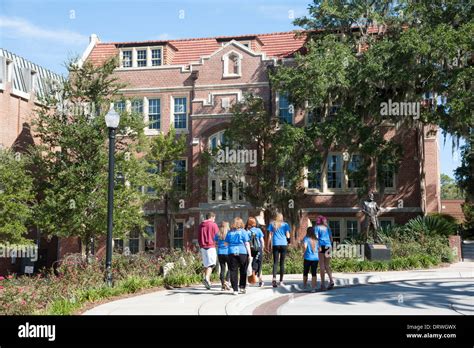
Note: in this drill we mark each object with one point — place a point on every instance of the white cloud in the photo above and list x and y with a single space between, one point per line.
15 27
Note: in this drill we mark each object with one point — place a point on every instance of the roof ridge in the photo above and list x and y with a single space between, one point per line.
203 38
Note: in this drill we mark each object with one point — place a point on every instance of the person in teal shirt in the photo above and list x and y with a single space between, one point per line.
279 234
257 255
324 235
311 258
237 240
223 255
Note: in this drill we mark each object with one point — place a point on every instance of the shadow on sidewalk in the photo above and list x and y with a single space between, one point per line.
410 294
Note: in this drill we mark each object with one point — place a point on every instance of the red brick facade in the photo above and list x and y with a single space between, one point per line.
194 69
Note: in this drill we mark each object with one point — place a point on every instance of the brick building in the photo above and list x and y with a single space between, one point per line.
22 84
190 84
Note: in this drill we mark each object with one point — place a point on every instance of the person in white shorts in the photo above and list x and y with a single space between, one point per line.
206 238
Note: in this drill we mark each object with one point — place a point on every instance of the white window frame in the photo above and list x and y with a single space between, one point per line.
344 189
150 49
122 58
389 190
179 130
226 60
134 60
277 109
145 60
178 221
148 130
186 183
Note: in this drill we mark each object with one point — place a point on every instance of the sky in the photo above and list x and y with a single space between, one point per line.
51 32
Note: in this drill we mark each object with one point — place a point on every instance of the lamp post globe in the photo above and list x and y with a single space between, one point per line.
112 119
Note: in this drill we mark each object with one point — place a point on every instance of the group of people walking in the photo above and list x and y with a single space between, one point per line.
237 246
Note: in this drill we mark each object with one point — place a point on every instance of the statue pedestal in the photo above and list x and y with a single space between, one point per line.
377 252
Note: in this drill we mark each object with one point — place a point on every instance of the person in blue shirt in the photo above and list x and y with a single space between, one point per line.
324 235
279 234
237 240
257 254
223 255
311 258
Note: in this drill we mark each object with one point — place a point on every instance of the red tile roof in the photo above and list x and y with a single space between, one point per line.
277 45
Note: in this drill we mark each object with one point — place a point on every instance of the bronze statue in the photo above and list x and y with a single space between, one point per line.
372 212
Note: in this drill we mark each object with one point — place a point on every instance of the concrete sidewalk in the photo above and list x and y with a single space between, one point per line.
197 300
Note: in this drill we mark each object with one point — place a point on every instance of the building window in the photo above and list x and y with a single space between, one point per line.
134 241
314 175
352 169
285 110
180 113
120 106
334 171
156 56
137 106
150 237
180 175
352 229
152 169
217 140
227 190
241 190
178 235
154 114
388 178
385 224
213 190
127 58
335 226
118 246
141 58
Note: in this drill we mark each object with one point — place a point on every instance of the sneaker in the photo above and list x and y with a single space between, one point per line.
331 285
206 284
243 290
274 283
223 288
235 293
227 287
281 283
261 284
313 290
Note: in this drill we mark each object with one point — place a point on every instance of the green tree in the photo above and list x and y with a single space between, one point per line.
361 54
449 189
72 163
163 178
282 153
16 197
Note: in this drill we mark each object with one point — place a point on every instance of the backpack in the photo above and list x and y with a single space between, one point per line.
254 245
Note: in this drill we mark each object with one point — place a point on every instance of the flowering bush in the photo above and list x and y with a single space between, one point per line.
75 281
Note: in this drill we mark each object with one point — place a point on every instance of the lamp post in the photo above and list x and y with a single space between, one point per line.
112 120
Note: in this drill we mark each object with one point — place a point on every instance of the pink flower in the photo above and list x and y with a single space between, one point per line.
10 277
2 278
1 287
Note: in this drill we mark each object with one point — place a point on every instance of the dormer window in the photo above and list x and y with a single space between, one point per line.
156 56
127 58
141 57
232 64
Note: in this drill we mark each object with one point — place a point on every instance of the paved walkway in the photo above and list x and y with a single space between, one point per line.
290 299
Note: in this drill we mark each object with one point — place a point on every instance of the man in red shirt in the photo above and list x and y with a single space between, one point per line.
207 231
